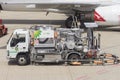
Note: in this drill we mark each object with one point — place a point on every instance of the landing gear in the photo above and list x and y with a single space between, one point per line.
80 17
68 22
71 22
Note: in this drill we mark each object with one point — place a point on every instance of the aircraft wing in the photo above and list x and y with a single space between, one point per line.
62 6
31 21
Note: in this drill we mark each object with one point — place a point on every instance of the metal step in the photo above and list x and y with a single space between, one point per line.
49 58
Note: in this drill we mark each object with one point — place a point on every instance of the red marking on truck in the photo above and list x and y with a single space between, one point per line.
98 17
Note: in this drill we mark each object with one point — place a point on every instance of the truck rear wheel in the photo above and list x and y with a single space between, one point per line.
22 60
73 58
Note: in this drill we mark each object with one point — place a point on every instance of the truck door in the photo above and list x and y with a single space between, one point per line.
17 45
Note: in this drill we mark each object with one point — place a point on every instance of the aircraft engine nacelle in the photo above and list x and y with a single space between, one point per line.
86 16
103 16
82 17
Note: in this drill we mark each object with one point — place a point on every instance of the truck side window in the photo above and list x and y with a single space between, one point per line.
17 39
21 38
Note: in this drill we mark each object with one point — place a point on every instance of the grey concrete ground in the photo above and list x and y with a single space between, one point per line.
110 43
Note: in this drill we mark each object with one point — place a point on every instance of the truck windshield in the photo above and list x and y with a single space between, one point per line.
17 38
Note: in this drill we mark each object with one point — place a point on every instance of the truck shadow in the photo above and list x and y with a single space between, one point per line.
49 64
12 62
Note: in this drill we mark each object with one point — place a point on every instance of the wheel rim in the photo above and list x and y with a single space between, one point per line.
22 60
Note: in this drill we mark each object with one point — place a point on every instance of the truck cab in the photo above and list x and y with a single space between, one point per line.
18 46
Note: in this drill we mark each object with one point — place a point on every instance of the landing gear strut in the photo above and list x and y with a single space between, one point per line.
74 22
68 22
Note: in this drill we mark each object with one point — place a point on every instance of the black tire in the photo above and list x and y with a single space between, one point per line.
23 60
73 58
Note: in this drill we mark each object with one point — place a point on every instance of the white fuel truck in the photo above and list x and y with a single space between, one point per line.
47 44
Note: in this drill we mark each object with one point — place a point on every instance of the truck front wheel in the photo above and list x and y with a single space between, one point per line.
22 60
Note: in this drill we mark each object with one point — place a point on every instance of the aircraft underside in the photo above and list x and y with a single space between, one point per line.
103 15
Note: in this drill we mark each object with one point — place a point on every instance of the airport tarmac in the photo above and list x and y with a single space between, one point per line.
110 43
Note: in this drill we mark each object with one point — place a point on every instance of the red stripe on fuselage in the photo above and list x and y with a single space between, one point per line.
98 17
